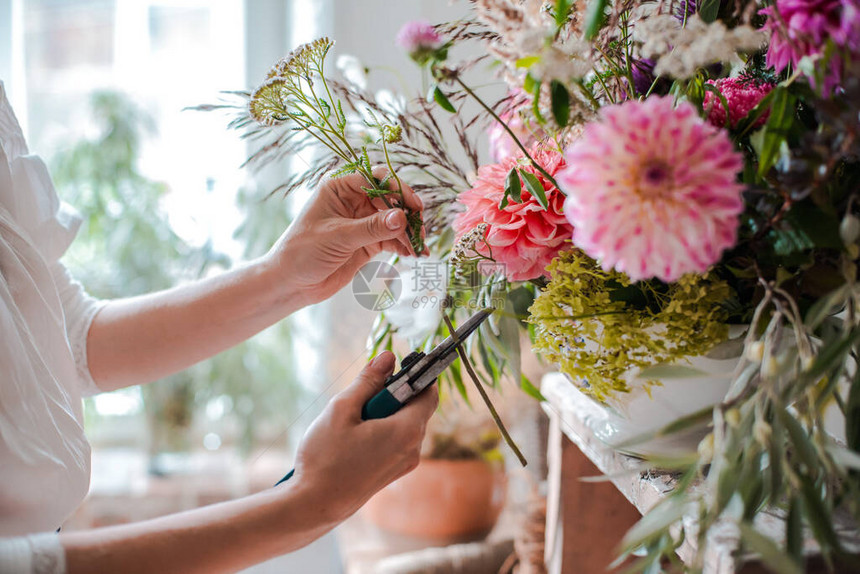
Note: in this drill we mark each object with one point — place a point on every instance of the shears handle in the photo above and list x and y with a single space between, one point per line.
381 405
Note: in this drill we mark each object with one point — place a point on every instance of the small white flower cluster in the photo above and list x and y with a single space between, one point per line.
523 30
303 59
681 52
467 242
566 61
464 250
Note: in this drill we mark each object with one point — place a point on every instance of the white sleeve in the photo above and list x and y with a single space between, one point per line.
34 554
79 308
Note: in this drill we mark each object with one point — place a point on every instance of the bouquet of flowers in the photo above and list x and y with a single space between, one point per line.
658 170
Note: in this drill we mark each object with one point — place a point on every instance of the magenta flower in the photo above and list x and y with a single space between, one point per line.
652 190
523 237
741 94
802 28
420 39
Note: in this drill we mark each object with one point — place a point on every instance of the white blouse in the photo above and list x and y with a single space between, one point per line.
44 319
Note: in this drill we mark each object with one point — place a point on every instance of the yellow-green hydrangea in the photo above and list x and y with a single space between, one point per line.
586 322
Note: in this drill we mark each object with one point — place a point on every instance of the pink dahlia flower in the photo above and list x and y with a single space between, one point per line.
651 190
742 95
420 39
523 237
802 28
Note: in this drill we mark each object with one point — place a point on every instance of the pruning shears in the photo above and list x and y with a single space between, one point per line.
418 370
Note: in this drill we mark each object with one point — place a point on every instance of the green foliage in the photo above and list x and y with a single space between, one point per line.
297 91
598 326
440 98
560 102
595 18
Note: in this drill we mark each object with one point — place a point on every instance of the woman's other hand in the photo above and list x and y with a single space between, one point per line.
344 460
339 231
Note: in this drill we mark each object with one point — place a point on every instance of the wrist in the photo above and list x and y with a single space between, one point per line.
318 502
283 294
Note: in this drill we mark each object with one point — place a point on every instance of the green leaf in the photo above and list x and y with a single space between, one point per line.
708 10
824 307
670 371
595 17
560 101
442 100
530 85
326 108
852 414
509 337
831 355
747 122
656 520
803 447
457 380
776 128
819 516
513 188
529 388
536 105
562 11
794 530
697 418
728 349
768 550
527 62
535 188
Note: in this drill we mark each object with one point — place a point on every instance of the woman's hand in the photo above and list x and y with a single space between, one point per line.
345 460
142 339
339 231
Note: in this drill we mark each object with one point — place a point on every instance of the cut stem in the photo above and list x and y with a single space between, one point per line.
466 363
504 125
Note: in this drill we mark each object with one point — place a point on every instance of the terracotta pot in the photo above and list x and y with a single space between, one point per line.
450 500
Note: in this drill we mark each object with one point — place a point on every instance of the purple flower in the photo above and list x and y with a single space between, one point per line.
685 9
643 74
802 28
420 39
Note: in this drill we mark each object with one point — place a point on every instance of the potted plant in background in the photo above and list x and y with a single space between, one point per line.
458 489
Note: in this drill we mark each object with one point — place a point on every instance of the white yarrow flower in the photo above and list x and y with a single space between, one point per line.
680 52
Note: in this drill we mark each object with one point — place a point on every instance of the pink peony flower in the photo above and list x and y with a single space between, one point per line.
420 39
652 190
741 94
802 27
502 145
524 237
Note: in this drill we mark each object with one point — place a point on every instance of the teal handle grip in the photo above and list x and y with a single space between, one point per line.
382 404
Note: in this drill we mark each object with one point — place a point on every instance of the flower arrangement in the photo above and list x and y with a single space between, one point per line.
659 171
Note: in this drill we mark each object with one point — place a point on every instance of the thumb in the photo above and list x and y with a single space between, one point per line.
370 380
375 228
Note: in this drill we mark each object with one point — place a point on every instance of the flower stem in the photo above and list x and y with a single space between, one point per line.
495 116
466 363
